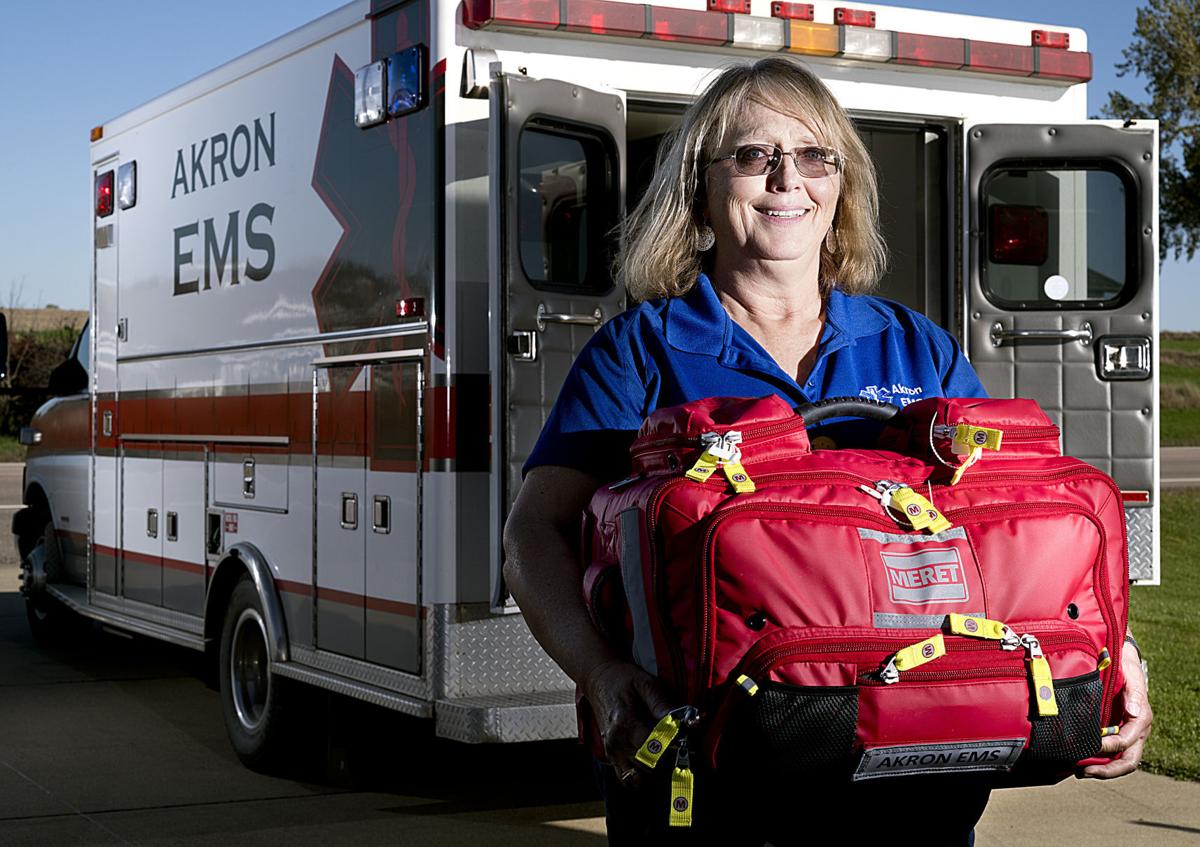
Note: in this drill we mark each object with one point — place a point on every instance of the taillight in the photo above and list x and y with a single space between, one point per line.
929 51
814 39
104 194
604 17
1062 64
1018 235
991 58
1055 40
735 7
411 307
853 17
688 26
538 14
792 11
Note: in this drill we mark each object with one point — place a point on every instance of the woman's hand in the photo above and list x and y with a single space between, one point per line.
1130 742
626 702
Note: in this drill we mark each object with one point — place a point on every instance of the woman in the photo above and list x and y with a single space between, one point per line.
749 253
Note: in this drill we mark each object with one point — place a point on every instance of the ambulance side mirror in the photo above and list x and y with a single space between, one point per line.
68 378
3 346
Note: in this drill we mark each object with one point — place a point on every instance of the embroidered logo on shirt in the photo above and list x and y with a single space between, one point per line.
898 393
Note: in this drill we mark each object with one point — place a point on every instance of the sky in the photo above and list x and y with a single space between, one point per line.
69 65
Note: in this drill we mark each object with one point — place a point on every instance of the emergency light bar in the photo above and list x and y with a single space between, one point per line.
790 29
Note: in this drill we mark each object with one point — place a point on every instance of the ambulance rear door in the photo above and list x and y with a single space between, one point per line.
556 192
1062 293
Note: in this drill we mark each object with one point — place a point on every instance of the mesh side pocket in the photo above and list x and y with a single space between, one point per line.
792 731
1074 733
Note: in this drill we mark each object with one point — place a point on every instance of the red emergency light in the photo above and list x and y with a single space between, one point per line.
537 14
1054 40
1018 235
991 58
1062 64
605 17
792 11
688 26
104 194
930 51
853 17
734 7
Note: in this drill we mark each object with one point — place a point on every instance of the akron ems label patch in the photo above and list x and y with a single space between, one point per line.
957 756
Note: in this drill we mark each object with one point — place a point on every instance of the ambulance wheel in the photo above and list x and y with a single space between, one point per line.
48 619
254 701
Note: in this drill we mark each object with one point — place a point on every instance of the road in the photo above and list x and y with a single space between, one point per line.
113 740
1180 467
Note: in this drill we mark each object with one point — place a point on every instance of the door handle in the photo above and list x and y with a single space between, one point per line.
382 519
522 345
543 317
349 510
1000 335
152 523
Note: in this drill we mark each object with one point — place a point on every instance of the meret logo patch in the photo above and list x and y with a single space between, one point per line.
654 746
980 438
927 651
928 576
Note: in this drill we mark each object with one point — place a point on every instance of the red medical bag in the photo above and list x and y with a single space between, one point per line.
954 601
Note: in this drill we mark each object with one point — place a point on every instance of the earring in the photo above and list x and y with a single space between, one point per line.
705 238
831 240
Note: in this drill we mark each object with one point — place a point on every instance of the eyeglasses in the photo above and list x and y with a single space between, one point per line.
763 159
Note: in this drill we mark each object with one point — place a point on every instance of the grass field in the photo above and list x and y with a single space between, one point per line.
11 450
1179 388
1166 621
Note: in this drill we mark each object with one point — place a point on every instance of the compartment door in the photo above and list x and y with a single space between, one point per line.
340 458
392 514
557 190
1062 300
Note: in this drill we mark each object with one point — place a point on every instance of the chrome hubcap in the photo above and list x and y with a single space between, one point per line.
249 669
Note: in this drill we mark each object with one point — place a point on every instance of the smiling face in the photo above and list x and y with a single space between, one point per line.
779 217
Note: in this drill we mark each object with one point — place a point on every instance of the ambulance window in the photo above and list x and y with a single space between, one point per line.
563 209
1055 237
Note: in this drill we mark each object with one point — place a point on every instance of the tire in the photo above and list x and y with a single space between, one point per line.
256 704
48 619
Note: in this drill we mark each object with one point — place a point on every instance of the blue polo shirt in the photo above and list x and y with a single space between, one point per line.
674 350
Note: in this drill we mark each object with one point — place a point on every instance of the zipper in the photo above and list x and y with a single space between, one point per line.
1099 572
1053 635
750 435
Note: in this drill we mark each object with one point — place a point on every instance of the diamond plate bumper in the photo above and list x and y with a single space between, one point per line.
506 718
1140 526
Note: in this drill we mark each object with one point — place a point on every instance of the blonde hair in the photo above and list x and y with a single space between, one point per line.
657 255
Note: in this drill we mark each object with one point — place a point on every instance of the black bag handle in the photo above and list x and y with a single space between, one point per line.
846 407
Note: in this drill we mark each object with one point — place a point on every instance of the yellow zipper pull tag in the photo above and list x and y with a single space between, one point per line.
659 740
976 452
921 653
918 511
681 788
985 438
737 476
1040 677
974 627
705 467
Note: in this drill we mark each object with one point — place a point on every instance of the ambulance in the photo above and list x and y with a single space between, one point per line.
338 281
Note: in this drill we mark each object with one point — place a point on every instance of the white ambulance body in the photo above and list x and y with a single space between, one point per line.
326 330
